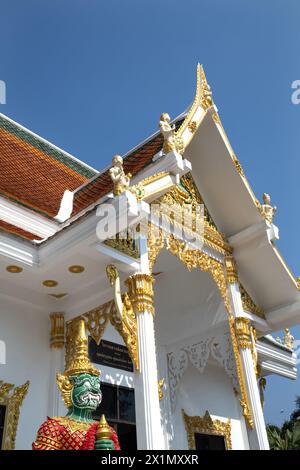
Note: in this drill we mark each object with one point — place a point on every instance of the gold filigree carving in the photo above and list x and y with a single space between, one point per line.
238 166
57 335
124 242
253 336
206 93
140 292
206 425
139 188
12 398
127 328
196 258
192 126
160 385
244 401
183 195
231 269
262 383
155 244
65 387
72 425
243 333
248 304
190 258
216 118
123 318
98 318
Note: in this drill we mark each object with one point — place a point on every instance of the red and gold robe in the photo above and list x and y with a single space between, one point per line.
68 434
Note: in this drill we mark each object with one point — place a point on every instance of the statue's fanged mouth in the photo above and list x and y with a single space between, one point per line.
89 396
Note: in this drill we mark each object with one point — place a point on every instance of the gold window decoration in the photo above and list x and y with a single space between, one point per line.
11 398
206 425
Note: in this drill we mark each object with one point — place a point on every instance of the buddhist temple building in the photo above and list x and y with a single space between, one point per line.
170 259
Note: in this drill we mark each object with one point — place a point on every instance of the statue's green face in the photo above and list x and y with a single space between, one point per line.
86 391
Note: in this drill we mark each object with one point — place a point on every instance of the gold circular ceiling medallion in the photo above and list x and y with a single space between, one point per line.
50 283
76 269
14 269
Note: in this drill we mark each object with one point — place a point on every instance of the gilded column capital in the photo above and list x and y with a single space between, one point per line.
231 269
140 291
242 327
57 334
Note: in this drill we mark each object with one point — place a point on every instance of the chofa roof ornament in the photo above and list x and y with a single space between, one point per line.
179 139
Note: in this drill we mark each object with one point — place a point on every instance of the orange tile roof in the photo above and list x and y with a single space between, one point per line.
5 227
102 184
33 172
36 175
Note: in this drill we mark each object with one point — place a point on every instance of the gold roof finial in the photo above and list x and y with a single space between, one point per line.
206 93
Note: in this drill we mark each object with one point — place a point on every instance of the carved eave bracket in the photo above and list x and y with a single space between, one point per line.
240 338
123 318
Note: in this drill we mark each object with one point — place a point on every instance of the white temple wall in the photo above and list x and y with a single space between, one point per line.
25 332
210 391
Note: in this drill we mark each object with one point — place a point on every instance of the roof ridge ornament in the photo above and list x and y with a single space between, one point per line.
179 139
120 180
266 209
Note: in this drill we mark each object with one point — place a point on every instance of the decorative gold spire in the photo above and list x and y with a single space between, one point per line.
103 431
77 358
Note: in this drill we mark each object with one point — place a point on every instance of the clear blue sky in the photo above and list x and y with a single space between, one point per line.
93 76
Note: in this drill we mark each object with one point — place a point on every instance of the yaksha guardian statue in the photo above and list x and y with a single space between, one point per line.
80 389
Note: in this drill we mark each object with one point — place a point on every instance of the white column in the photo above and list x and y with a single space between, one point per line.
258 435
148 420
57 351
149 430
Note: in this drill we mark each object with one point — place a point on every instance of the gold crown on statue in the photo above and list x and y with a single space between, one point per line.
77 358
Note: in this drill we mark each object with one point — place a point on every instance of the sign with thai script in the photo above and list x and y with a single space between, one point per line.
110 354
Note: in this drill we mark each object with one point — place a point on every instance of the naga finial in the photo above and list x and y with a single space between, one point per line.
267 210
120 180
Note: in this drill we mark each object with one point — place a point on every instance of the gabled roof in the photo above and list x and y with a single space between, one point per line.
34 172
134 161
